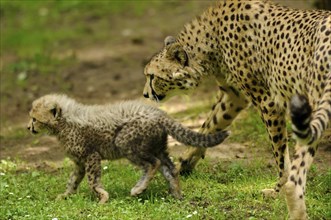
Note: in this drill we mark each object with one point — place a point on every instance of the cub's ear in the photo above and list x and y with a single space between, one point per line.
169 40
56 111
176 52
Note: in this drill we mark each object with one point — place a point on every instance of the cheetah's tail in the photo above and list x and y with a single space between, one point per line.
192 138
308 126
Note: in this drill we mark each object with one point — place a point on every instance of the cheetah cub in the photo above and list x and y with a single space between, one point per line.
132 130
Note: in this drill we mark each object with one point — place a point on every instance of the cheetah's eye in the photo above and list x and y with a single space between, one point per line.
34 120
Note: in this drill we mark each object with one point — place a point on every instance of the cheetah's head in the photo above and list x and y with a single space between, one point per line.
44 115
169 72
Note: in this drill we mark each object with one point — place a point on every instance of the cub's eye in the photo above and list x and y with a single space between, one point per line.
34 120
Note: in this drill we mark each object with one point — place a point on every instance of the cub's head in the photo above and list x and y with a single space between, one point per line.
169 72
44 115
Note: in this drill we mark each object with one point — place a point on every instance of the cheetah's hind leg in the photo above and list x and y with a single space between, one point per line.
295 186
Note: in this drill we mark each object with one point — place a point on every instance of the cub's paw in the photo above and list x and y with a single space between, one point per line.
103 195
176 194
135 191
103 199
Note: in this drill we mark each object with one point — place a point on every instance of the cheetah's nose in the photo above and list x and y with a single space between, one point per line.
146 95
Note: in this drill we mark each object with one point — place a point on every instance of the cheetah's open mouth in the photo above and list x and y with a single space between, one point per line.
157 97
31 129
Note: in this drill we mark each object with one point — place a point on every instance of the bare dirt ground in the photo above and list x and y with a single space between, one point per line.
107 72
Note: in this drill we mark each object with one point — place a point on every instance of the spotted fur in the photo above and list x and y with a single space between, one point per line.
260 53
129 130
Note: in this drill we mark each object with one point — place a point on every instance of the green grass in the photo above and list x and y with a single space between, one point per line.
249 128
34 33
31 27
223 190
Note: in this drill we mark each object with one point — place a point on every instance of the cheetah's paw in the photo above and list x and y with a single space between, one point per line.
269 193
62 196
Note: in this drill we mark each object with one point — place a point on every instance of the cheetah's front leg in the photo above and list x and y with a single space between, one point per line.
75 178
229 104
93 170
274 120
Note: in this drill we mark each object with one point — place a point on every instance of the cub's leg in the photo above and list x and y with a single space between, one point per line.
170 173
138 141
93 170
75 179
227 107
150 165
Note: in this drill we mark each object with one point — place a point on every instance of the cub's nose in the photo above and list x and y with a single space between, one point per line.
28 127
146 95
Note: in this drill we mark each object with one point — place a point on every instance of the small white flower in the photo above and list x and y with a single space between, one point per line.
22 76
2 174
105 168
55 219
190 215
11 193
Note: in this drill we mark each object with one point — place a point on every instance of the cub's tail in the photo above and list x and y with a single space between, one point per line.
308 126
192 138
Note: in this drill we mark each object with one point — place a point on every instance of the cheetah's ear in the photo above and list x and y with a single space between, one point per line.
56 111
169 40
176 52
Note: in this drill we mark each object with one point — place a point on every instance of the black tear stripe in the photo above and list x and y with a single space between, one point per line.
151 85
150 82
236 92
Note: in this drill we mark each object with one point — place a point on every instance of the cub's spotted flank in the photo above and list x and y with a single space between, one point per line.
132 130
260 53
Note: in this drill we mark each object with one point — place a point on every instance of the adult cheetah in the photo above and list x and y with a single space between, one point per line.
274 57
132 130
